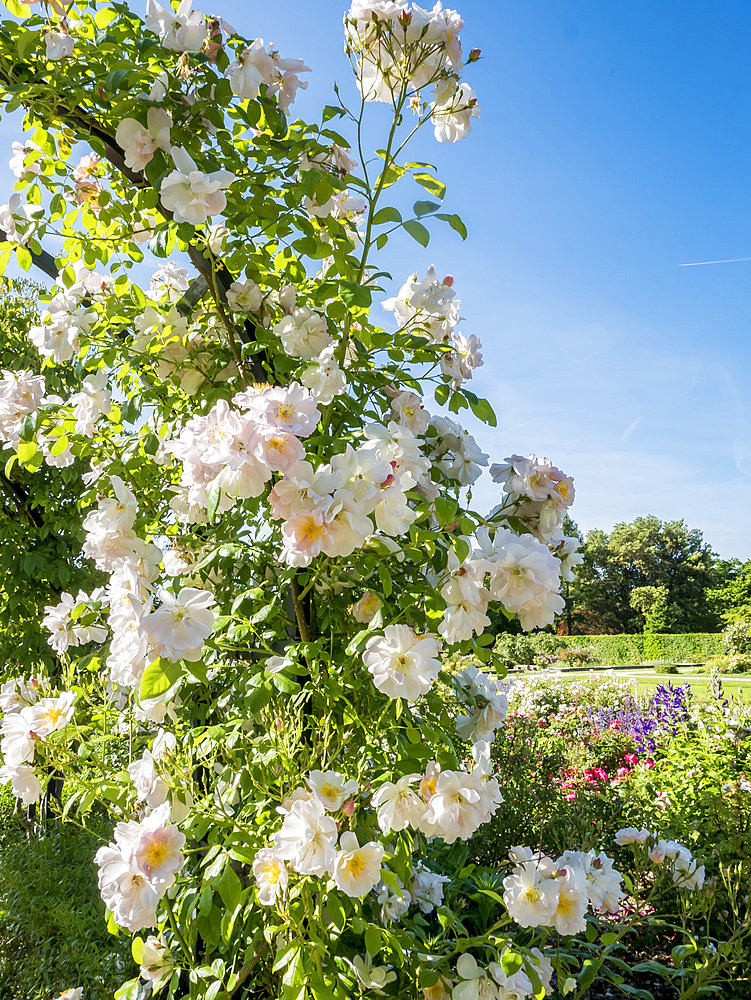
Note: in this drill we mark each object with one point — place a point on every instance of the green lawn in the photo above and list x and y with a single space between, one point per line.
648 679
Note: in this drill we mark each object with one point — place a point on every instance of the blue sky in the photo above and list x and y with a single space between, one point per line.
613 146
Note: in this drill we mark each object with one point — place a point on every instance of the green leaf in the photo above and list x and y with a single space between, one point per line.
588 973
59 446
258 699
336 911
385 577
511 962
26 42
493 895
158 678
392 881
117 78
445 509
23 257
285 684
357 642
484 411
331 112
29 426
390 175
460 547
456 224
441 394
355 295
417 231
285 956
387 214
431 184
229 887
197 669
26 451
136 949
655 967
129 990
104 17
17 9
425 207
373 940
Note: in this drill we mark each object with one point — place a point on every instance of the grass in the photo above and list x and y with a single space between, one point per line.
647 679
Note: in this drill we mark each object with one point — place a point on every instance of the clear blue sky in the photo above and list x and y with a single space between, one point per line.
614 145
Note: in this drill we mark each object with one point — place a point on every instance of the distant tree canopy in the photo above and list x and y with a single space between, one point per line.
651 576
730 595
40 526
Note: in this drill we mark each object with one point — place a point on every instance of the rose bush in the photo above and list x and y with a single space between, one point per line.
284 532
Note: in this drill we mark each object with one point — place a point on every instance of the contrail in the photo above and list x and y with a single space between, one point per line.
699 263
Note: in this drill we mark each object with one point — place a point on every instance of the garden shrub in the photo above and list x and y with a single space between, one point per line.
737 641
698 792
53 935
578 656
535 808
515 649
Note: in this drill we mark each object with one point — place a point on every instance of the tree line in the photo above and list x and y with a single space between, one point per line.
653 576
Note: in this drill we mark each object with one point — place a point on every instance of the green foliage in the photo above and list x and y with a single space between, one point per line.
697 793
730 595
648 573
53 935
515 649
737 641
653 603
40 525
737 638
578 655
685 648
611 650
541 765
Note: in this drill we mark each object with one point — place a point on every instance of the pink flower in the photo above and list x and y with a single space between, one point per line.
278 449
631 759
87 193
304 536
88 167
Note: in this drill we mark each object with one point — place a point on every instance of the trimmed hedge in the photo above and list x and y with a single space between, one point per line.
621 650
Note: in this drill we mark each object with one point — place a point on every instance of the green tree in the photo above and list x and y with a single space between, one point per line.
649 575
730 595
